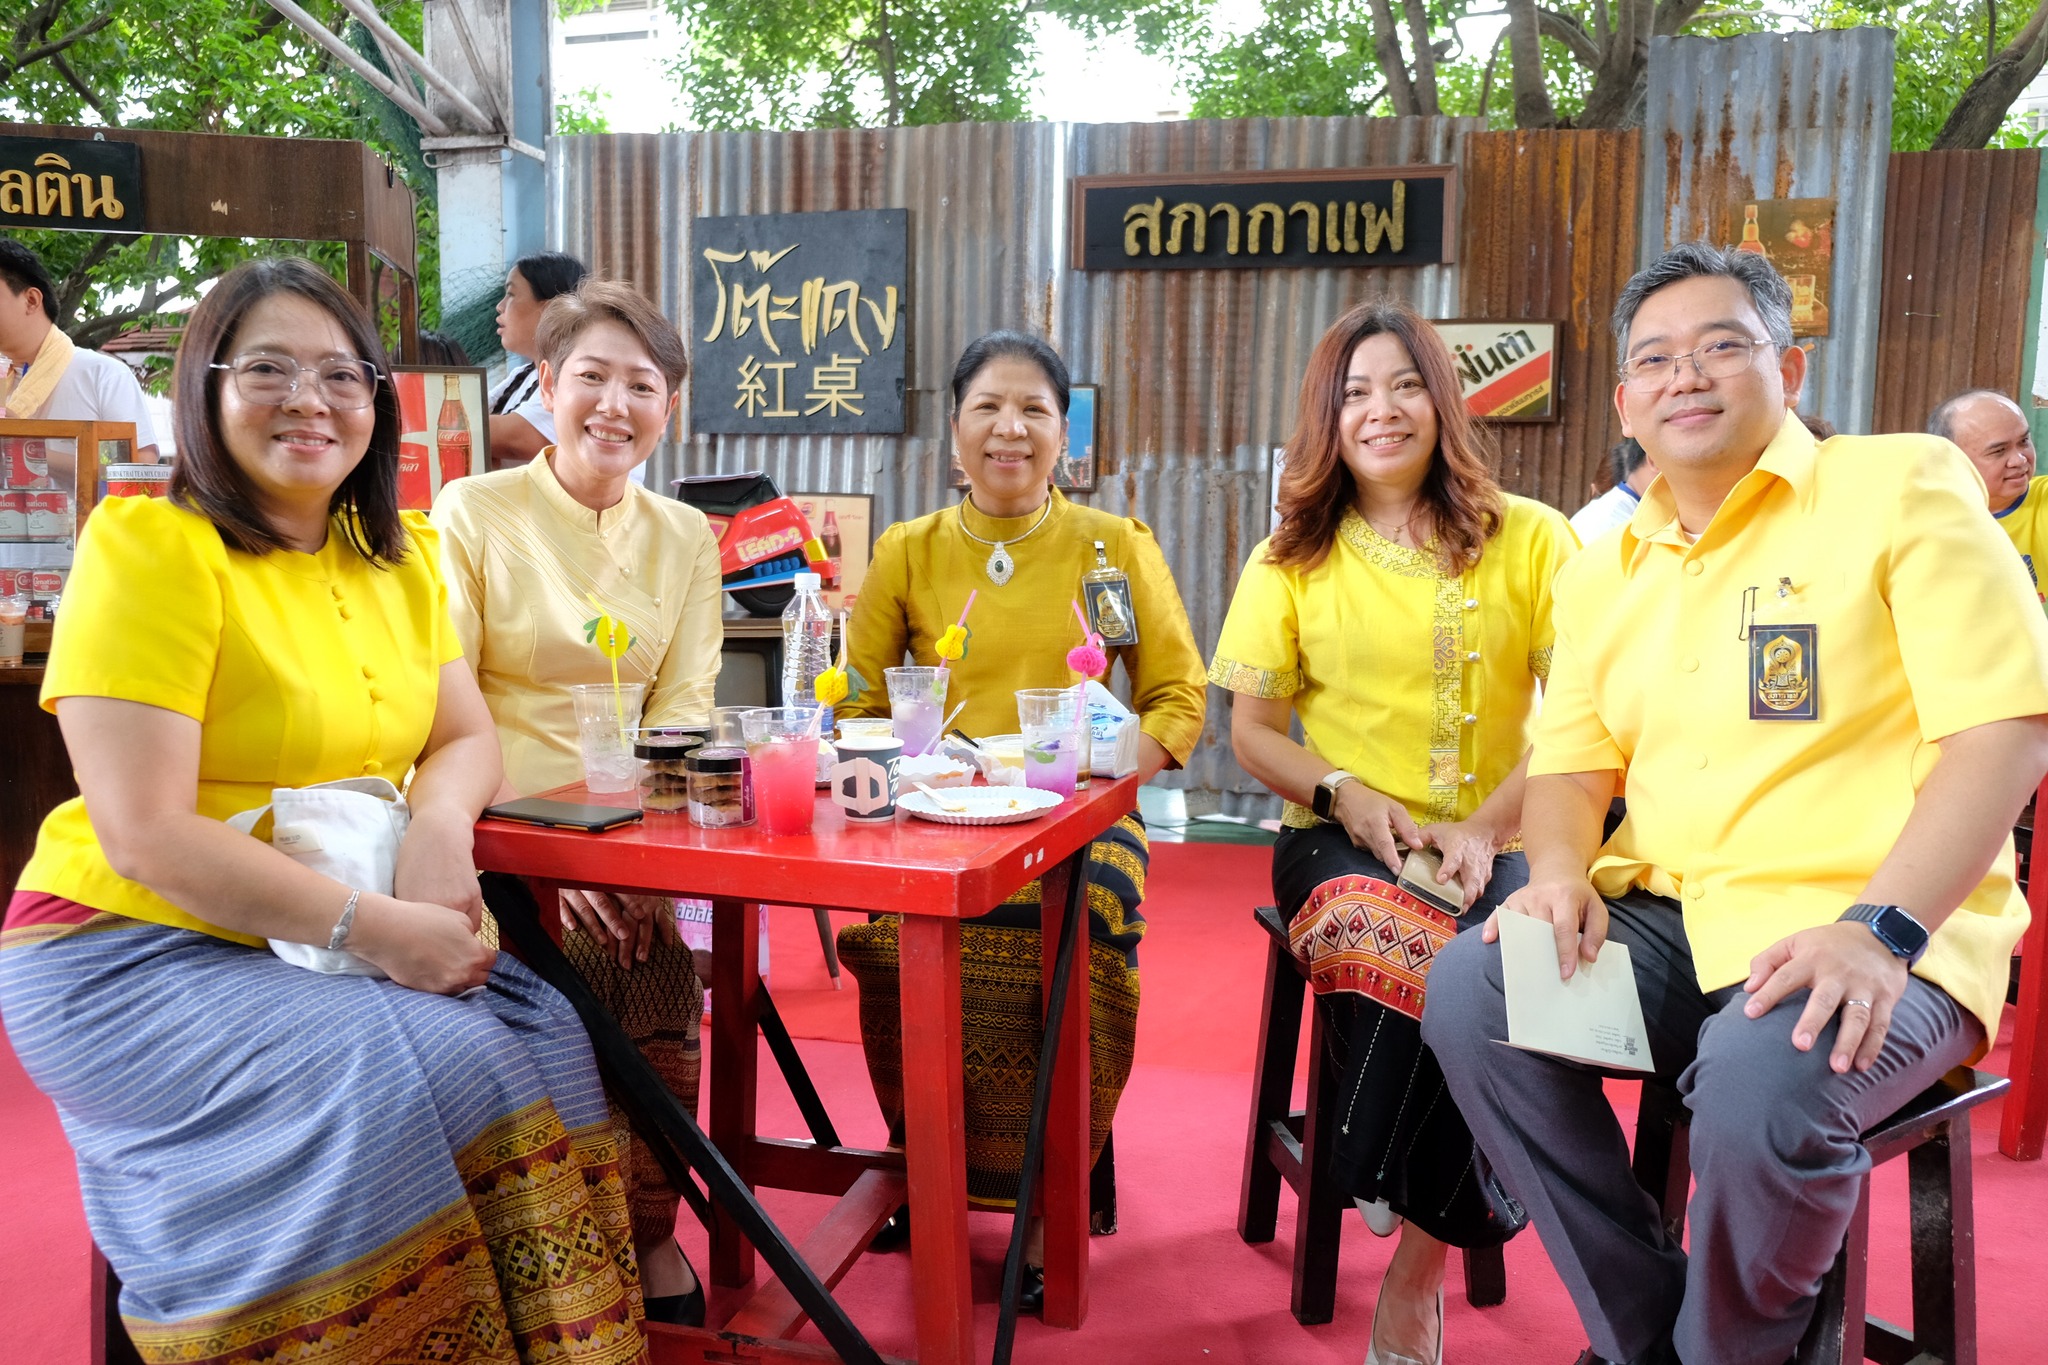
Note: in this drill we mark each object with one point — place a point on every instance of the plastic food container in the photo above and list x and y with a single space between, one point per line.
721 788
934 770
664 771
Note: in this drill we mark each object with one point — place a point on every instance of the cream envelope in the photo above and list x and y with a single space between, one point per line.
1596 1017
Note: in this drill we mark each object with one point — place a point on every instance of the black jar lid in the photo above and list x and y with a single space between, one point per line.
714 759
672 741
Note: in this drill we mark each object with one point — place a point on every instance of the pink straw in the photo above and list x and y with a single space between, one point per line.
972 593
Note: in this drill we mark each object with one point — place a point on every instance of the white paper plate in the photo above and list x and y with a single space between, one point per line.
985 805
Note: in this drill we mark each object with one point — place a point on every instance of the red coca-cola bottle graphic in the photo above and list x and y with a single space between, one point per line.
829 537
451 436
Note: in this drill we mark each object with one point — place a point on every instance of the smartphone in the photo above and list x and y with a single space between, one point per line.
1418 877
535 810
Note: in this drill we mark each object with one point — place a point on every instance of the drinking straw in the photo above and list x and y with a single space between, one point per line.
612 639
840 681
944 725
1088 660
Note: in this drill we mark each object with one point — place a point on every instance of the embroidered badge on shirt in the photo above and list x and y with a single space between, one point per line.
1784 673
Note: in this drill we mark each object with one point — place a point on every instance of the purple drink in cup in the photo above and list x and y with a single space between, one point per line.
917 706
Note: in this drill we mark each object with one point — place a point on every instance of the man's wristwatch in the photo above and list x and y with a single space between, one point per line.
1897 930
1325 799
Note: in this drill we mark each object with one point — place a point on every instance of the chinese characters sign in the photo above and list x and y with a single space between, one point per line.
67 183
800 322
1399 215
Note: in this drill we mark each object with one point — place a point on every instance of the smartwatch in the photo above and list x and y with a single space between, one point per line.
1325 799
1897 930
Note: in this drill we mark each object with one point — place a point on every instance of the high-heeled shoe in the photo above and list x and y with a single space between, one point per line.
678 1310
894 1233
1379 1215
1375 1356
1031 1291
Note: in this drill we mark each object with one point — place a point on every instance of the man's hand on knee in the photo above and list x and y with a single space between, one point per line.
1844 967
1572 909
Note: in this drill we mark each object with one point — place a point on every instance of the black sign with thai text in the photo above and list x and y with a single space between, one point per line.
801 324
1401 215
70 183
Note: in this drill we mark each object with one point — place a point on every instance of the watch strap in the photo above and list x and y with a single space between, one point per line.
1894 926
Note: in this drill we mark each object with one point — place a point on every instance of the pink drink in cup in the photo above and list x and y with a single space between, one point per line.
782 741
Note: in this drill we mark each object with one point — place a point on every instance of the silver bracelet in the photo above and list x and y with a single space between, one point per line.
347 922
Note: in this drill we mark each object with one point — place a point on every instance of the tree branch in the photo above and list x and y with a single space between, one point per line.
24 56
1569 31
77 82
1425 57
1386 47
1533 108
1984 102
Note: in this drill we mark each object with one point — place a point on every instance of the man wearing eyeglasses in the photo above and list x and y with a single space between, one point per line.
1991 430
45 377
1822 675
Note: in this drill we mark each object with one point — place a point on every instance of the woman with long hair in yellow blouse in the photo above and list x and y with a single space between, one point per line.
526 550
1402 612
1021 548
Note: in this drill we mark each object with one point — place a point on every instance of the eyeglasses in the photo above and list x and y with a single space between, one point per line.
270 381
1721 359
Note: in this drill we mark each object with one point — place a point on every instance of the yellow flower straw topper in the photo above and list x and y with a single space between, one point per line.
612 639
952 642
842 680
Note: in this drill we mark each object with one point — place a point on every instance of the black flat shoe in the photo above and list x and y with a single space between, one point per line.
894 1233
1031 1291
678 1310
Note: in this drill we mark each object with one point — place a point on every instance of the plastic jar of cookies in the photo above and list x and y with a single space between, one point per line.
721 787
664 767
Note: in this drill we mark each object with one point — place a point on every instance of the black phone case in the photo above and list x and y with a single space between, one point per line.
533 810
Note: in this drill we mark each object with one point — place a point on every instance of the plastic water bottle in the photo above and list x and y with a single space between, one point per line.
806 648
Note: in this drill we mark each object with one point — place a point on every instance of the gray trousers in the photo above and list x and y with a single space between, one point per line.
1775 1146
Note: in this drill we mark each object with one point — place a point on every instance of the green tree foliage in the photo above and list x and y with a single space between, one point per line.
848 63
1948 67
213 66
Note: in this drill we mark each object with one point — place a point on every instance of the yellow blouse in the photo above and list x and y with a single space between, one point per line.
2026 522
1421 684
523 558
299 668
924 569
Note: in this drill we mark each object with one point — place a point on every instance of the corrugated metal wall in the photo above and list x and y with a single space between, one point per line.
1547 234
1959 243
1198 368
1771 116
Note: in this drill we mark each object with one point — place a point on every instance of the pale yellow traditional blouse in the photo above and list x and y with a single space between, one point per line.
1421 683
522 559
924 569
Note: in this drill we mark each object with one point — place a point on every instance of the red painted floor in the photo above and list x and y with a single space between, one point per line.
1175 1284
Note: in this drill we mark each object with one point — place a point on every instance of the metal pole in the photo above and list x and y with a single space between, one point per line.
348 57
390 37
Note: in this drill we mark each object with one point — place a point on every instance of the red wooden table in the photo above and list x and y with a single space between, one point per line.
934 876
2025 1122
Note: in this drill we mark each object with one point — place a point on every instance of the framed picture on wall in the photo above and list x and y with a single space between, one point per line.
1507 369
444 429
1074 470
845 522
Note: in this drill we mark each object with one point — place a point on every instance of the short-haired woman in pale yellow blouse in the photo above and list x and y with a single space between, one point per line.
525 549
1402 612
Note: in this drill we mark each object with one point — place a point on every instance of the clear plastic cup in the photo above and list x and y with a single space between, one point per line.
917 705
13 630
866 727
725 724
782 744
602 730
1052 740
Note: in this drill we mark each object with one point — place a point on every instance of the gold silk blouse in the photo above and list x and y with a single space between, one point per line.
522 557
923 571
1420 683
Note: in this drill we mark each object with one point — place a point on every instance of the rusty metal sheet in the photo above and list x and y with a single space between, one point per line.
1958 267
1780 116
1549 235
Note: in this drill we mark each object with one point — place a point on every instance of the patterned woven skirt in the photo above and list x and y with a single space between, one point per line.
1001 997
1397 1134
324 1169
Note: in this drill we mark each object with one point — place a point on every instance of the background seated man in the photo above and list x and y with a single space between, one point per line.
43 376
1632 474
1993 432
1815 874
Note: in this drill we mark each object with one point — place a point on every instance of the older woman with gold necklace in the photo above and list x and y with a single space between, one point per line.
1022 548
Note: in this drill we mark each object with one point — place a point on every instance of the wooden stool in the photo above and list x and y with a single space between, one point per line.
1290 1144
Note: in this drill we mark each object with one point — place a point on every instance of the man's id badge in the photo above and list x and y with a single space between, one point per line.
1784 672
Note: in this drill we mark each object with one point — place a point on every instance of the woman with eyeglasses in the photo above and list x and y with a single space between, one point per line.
270 1156
526 552
1401 613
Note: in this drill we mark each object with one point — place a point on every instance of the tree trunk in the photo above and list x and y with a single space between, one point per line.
1533 108
1386 49
1425 57
1622 76
1987 99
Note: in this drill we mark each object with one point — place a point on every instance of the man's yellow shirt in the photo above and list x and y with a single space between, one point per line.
2026 521
1862 581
